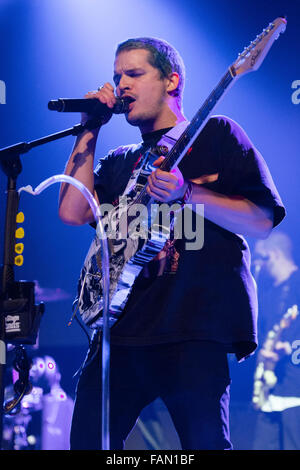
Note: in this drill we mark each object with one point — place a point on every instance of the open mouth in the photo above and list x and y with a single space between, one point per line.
128 101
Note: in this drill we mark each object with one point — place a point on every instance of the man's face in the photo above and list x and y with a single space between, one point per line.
135 77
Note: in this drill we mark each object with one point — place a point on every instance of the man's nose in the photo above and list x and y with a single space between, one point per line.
124 83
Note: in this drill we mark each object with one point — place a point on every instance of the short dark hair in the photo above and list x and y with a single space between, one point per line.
163 57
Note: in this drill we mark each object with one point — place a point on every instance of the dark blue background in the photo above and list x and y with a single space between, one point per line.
53 49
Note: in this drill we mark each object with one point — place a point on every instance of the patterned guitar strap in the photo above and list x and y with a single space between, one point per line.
168 257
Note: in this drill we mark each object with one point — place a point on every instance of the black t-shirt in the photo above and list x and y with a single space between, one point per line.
206 294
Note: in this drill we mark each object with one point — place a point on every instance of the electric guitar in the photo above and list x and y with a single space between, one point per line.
129 255
264 376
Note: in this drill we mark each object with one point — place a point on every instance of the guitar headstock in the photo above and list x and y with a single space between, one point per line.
252 56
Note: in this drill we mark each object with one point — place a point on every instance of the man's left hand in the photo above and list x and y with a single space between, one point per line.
165 186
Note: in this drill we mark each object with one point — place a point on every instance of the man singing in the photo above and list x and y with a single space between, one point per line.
188 308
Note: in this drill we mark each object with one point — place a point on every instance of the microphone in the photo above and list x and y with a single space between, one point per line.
88 105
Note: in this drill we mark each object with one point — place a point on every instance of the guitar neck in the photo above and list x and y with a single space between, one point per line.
190 134
196 125
249 60
290 315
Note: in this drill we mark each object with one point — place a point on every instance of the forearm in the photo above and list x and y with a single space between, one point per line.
73 206
234 213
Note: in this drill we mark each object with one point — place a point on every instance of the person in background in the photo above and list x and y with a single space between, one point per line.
188 307
278 277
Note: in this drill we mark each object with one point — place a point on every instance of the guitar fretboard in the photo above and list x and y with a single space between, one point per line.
187 138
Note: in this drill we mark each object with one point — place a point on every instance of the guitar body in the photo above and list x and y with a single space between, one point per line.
127 258
129 250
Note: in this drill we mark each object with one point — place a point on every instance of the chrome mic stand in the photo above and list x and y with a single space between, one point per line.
11 165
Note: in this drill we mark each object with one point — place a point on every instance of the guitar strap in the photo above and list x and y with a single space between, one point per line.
145 166
138 179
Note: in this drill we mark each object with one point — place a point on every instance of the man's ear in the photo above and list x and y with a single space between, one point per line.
173 83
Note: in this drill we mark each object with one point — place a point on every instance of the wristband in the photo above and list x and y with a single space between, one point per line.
188 193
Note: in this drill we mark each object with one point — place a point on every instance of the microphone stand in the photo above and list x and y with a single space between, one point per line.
11 165
12 168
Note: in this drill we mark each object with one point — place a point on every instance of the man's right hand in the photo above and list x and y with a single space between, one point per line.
73 207
105 95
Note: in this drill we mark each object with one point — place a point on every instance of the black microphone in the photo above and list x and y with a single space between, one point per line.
88 105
